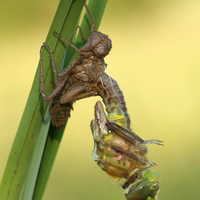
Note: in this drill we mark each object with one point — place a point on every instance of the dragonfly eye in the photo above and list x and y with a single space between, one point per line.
103 48
99 51
138 192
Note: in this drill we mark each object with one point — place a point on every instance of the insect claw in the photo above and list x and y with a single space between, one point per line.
45 45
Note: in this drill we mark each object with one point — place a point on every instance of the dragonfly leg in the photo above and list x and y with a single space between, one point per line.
64 74
82 33
92 23
42 85
63 39
52 60
129 181
117 128
154 141
42 71
129 135
134 156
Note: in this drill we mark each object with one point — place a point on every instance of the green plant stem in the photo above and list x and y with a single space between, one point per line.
35 145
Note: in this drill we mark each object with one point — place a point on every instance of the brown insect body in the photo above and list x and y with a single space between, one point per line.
85 77
108 89
77 81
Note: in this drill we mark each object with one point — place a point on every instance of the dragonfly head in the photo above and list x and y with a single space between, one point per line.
145 189
138 192
98 43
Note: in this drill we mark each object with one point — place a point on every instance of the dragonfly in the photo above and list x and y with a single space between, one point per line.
118 151
123 156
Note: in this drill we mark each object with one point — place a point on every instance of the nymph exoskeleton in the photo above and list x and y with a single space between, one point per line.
78 77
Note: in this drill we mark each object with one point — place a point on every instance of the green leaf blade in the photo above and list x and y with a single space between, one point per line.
32 119
36 145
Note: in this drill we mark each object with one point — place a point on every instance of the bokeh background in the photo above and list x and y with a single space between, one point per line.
155 59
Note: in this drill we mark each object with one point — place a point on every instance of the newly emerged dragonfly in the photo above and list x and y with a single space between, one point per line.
118 151
122 155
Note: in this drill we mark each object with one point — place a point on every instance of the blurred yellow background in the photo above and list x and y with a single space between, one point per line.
155 59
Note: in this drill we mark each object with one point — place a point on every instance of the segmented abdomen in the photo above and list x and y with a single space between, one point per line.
113 99
60 113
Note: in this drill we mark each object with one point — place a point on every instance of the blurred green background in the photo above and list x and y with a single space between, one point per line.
155 59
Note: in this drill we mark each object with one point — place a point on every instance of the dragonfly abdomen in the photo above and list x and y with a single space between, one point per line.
114 101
